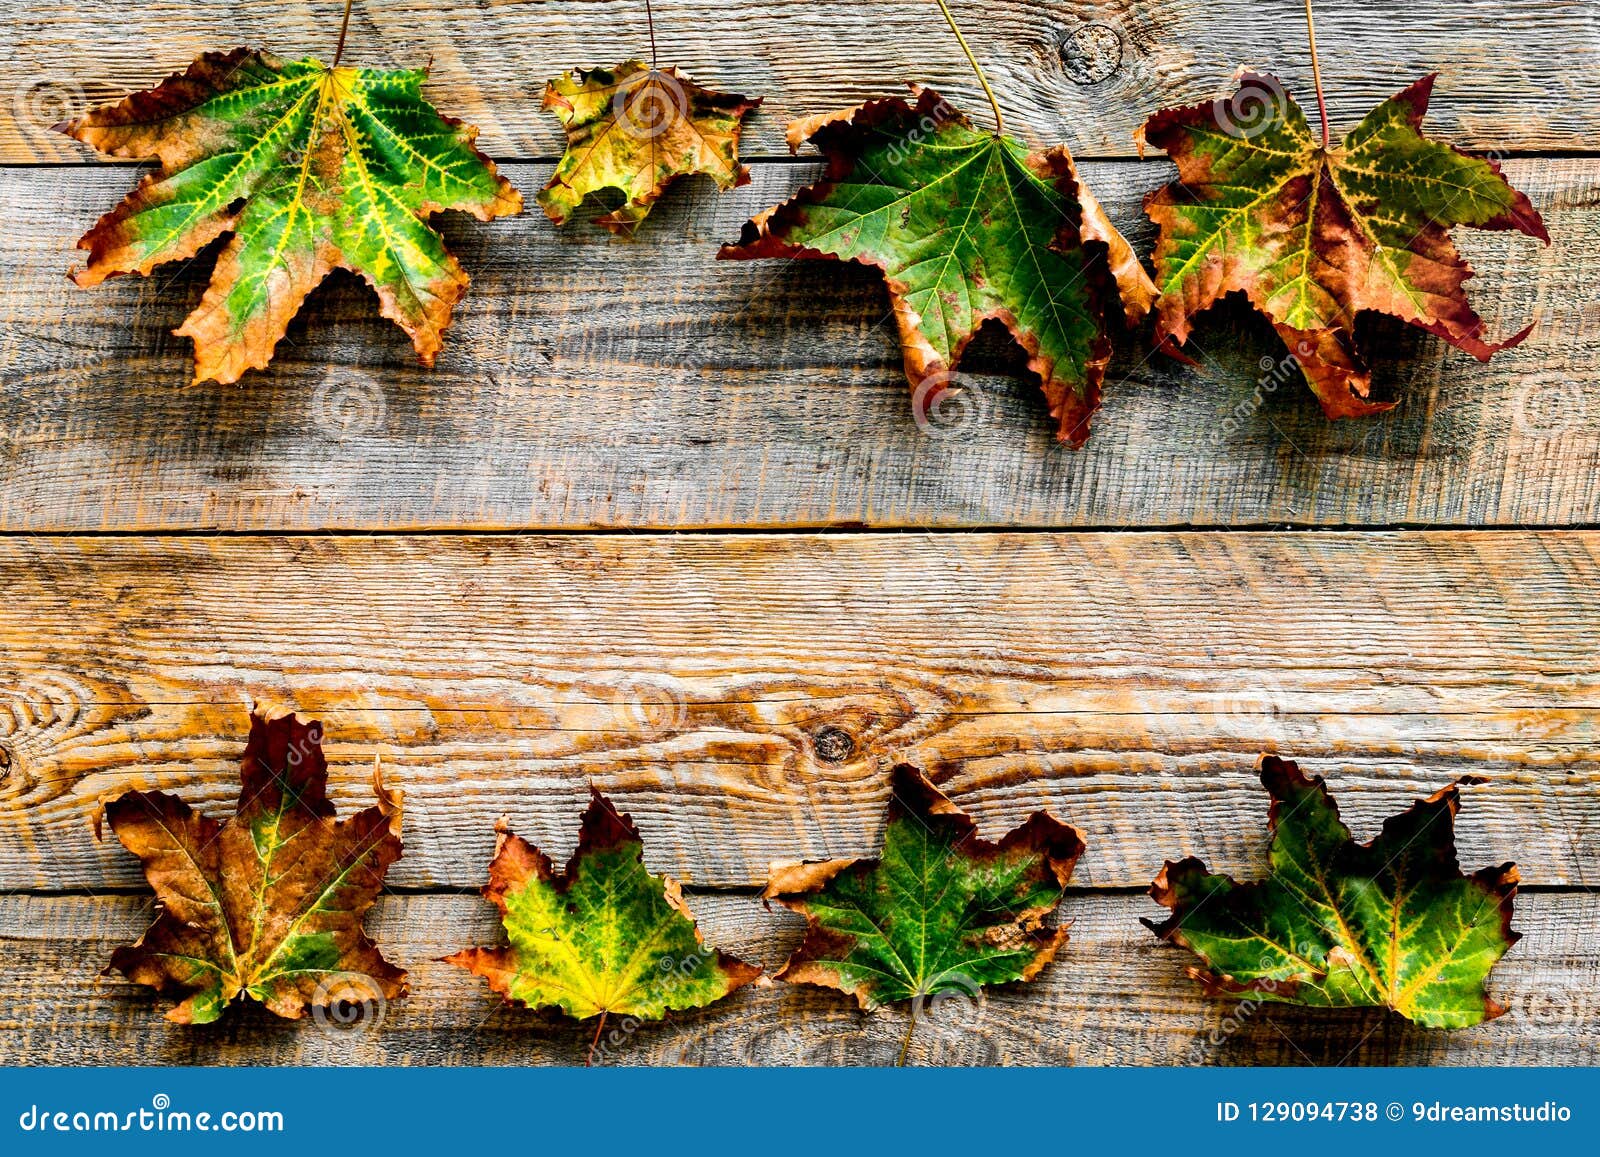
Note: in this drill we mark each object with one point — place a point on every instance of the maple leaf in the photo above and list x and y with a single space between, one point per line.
636 129
1312 235
941 911
966 225
1392 924
604 936
269 903
310 169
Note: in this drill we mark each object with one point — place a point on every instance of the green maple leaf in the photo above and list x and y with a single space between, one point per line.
966 225
604 936
1314 235
1390 924
941 911
310 169
634 130
268 904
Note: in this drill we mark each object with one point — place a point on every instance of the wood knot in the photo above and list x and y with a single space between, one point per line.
833 745
1091 52
5 761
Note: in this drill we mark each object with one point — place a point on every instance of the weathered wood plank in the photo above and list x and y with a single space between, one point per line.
1127 681
1086 72
597 384
1114 996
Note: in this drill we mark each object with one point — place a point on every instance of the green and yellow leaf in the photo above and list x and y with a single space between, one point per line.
603 936
940 911
310 169
966 226
268 904
1391 924
633 130
1313 235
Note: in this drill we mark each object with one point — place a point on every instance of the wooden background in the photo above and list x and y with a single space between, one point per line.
661 525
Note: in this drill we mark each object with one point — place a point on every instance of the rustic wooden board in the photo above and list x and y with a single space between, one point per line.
592 383
1125 680
1086 72
742 694
1114 996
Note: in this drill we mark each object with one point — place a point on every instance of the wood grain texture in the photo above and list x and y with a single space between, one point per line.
1083 72
592 383
1113 996
743 694
1126 681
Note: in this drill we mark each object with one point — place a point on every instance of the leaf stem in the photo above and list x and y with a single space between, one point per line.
650 16
1316 73
999 121
595 1043
344 30
911 1025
